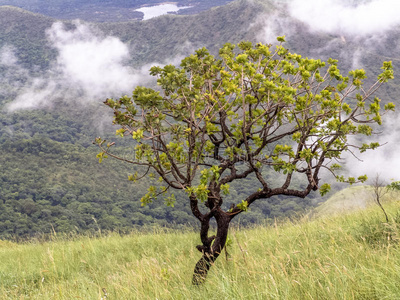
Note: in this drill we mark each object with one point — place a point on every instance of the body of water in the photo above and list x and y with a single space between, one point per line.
158 10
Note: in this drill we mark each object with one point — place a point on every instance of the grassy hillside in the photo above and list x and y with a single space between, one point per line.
347 200
346 257
351 199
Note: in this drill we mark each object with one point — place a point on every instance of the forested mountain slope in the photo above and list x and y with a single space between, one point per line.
105 11
150 41
51 179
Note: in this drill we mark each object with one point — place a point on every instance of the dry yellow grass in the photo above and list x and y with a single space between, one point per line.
347 257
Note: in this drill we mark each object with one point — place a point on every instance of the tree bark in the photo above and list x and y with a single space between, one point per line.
211 252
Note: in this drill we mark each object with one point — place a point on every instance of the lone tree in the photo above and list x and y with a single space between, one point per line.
380 189
218 120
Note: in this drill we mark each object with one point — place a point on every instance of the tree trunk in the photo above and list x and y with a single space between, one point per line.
201 269
211 253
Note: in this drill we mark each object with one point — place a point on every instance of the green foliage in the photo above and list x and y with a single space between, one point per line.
243 206
274 95
101 156
324 189
394 186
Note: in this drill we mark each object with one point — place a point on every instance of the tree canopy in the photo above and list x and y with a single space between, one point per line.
216 120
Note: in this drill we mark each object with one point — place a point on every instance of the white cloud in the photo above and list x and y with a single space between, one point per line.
89 67
384 160
12 75
340 17
7 56
95 64
274 25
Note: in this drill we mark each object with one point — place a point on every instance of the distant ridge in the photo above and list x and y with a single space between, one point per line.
23 11
106 11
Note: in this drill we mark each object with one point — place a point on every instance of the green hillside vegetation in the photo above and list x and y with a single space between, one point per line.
354 256
25 32
51 181
51 186
155 40
50 177
351 199
104 11
169 36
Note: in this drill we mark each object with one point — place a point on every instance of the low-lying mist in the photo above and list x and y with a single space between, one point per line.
89 67
357 18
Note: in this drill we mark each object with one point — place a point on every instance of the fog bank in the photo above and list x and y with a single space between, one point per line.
359 18
89 67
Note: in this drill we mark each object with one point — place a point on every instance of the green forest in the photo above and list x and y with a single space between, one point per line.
51 180
104 11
